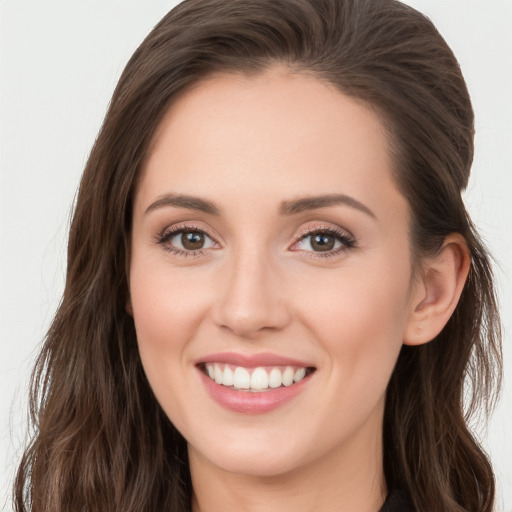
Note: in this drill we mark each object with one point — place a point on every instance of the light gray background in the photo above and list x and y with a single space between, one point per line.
59 62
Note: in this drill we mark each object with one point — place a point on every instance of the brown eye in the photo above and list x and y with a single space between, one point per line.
192 240
186 241
322 242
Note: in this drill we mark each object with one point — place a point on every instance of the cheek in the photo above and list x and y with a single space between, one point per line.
166 316
166 313
359 316
165 308
358 298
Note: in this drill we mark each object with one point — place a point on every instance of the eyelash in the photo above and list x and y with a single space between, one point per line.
163 238
347 241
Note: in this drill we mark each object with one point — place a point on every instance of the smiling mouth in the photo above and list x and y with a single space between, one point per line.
256 380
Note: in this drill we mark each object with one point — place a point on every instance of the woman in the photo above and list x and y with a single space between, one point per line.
274 292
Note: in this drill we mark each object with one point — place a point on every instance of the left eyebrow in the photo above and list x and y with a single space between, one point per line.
314 202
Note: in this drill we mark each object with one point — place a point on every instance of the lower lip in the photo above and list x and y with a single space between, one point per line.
249 402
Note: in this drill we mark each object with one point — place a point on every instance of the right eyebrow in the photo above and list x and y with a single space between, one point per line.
184 201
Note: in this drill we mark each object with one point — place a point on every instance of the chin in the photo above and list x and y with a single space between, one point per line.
252 459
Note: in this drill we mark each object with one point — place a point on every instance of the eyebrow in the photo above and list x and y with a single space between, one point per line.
184 201
315 202
286 207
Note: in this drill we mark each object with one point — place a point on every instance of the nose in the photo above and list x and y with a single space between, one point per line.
253 296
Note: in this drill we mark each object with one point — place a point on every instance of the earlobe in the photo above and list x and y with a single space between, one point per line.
438 291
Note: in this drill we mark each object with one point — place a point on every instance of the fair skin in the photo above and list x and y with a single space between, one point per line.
257 281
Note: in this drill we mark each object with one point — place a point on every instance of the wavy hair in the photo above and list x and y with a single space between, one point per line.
100 440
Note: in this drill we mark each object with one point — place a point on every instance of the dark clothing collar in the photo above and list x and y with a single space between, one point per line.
397 501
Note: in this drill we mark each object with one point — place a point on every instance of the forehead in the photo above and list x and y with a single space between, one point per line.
277 131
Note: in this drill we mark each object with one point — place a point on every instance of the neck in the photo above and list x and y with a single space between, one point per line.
347 479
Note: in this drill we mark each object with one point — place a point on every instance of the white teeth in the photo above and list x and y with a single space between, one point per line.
228 376
241 378
275 378
218 374
259 379
299 375
288 376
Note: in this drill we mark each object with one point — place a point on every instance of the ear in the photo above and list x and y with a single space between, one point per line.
437 292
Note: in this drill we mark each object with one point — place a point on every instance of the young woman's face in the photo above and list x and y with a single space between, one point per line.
270 244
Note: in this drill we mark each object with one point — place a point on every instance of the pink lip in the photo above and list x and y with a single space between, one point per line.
252 361
248 402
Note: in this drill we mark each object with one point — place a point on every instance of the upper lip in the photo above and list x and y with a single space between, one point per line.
252 360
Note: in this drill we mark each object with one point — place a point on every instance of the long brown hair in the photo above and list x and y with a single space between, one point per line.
101 442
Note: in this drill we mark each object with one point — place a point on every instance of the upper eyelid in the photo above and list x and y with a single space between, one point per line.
323 227
177 228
